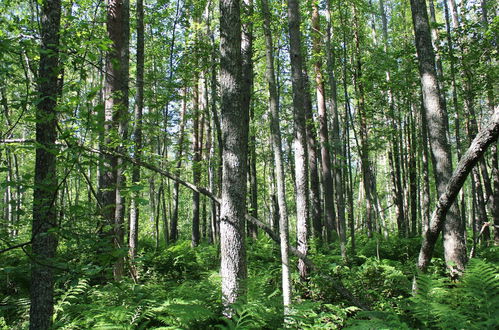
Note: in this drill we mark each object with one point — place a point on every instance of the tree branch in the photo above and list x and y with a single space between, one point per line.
481 142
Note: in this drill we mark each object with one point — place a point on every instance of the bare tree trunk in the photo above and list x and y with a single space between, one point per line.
436 117
367 175
300 142
115 126
247 89
196 161
275 132
235 123
176 188
139 104
339 155
487 136
44 240
327 179
315 208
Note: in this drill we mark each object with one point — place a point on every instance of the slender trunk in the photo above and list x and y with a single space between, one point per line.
196 161
139 104
43 238
314 190
367 175
176 188
495 175
327 179
275 132
394 151
339 155
300 129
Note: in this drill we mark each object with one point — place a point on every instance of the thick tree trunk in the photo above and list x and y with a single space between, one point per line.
115 125
44 240
436 117
235 124
484 138
300 142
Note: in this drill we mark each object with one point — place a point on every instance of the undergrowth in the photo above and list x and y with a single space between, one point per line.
179 288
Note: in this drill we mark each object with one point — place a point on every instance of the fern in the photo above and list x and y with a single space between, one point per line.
470 303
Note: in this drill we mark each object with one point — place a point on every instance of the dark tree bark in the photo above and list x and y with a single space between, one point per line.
235 122
487 136
44 241
300 142
337 145
115 124
436 117
247 91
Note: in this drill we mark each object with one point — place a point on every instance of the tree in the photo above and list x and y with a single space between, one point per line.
139 104
235 123
45 223
275 133
481 142
436 118
300 135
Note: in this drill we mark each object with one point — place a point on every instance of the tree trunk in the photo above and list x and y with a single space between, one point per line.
327 179
300 142
196 161
115 125
436 117
176 188
487 136
139 104
367 175
44 240
339 155
275 132
235 122
314 190
246 98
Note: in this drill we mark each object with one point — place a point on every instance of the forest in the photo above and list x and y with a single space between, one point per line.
249 164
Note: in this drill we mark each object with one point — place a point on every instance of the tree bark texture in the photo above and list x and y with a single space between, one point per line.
275 132
44 242
487 136
300 142
235 122
327 179
437 121
139 105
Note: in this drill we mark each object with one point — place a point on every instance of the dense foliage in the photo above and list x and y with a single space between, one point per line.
363 53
